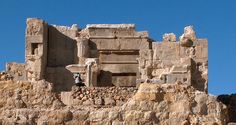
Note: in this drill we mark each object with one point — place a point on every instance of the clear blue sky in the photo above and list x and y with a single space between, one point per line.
215 20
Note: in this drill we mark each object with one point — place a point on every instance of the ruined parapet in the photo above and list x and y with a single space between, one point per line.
16 71
188 37
169 37
36 48
185 61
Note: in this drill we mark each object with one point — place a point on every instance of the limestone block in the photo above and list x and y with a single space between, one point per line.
201 48
183 78
16 70
148 63
124 80
189 33
146 54
70 32
141 63
76 68
82 47
157 64
129 33
35 39
134 44
188 52
165 50
148 92
105 44
118 56
109 101
119 44
111 30
102 32
146 73
169 37
179 69
92 71
98 115
142 34
186 42
120 68
168 63
186 61
115 26
34 26
188 37
159 72
133 116
66 98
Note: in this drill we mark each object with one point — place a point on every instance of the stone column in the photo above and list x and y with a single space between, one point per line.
91 72
82 50
36 48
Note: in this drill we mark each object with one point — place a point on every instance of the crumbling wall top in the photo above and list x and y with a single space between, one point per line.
112 26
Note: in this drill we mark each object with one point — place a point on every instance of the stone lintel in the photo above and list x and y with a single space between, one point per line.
114 37
110 26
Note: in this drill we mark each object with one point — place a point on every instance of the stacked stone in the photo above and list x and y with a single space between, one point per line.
170 61
101 96
5 76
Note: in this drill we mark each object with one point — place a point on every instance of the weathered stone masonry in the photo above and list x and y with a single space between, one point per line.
112 55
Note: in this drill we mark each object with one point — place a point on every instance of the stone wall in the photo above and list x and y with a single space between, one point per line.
117 47
62 50
170 61
49 49
121 56
16 71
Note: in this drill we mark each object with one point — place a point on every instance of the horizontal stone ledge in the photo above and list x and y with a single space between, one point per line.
119 62
117 37
29 57
116 26
75 68
118 51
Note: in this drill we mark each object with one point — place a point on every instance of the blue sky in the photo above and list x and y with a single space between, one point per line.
214 20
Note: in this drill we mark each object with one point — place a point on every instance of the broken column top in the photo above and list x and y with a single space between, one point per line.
112 26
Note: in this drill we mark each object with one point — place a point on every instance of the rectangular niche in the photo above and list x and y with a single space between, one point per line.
34 48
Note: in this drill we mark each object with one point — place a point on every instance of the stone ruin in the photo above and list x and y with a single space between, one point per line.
110 55
130 79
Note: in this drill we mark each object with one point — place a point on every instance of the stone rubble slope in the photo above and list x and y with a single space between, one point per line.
153 104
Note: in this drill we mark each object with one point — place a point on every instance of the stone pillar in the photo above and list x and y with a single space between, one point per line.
36 48
91 72
145 63
82 51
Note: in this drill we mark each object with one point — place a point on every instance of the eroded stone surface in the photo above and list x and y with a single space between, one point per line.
152 104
